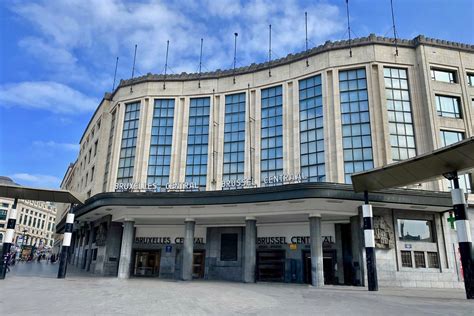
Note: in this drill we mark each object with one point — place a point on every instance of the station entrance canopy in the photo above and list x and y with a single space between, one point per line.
36 194
431 166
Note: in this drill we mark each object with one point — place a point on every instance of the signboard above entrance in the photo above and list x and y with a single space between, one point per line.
232 184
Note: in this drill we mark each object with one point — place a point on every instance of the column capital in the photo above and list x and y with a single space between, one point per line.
128 219
250 218
314 214
189 219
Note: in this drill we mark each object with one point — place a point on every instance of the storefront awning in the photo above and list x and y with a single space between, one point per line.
457 157
35 194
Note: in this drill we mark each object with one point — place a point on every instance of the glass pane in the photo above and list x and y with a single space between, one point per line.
415 230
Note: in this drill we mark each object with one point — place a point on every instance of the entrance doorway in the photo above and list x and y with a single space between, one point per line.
147 263
329 262
271 265
198 264
307 266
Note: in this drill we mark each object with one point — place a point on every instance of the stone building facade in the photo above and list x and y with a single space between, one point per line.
240 160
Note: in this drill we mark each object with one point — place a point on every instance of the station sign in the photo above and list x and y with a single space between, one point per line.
165 240
295 240
285 178
153 187
232 184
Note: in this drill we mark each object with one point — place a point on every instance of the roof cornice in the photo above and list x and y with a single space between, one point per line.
290 58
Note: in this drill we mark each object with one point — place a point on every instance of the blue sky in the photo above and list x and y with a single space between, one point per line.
57 57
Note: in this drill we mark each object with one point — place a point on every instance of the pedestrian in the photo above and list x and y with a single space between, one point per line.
9 255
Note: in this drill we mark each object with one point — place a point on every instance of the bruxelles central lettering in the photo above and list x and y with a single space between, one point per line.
293 240
170 186
260 240
237 183
164 240
285 178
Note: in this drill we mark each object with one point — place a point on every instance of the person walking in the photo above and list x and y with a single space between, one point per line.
9 256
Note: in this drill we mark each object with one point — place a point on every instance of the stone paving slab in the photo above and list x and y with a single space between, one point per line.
81 294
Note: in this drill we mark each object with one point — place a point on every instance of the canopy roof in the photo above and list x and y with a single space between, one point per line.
48 195
454 158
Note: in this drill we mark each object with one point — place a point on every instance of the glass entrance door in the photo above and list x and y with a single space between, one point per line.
147 263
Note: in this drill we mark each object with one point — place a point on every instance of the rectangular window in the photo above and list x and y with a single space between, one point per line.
406 259
420 259
198 140
356 135
448 106
109 151
234 137
271 155
160 147
402 136
433 260
3 215
229 244
470 79
450 137
94 254
92 173
90 155
25 219
443 75
129 143
95 147
415 230
311 129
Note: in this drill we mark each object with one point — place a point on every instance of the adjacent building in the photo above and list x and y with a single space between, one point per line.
35 225
245 175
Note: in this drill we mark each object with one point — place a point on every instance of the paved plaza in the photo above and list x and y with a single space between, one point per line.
32 289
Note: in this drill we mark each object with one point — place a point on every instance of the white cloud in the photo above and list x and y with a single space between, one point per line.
54 145
47 95
36 180
81 38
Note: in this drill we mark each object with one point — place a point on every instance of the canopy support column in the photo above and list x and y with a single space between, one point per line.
369 244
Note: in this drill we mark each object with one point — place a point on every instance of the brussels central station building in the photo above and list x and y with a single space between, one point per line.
245 175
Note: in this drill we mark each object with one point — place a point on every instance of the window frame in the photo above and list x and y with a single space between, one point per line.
453 78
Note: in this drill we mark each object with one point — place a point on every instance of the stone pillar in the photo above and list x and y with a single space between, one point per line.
339 254
126 249
317 272
188 249
89 252
250 249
